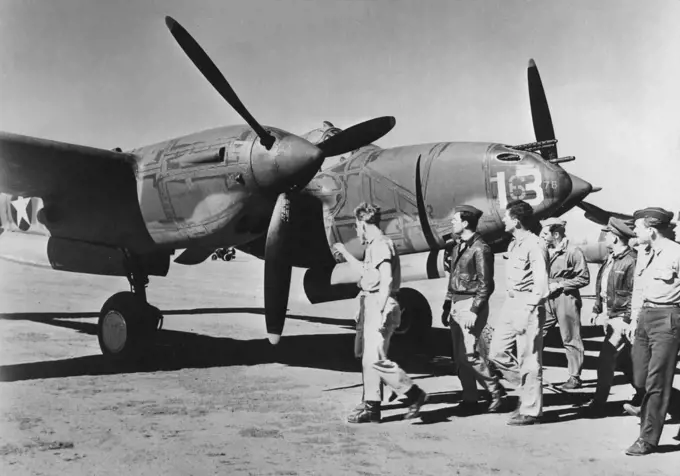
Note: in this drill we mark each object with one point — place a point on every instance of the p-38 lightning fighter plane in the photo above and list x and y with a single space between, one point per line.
114 213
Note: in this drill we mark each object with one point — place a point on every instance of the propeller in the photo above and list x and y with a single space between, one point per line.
600 216
357 136
288 171
540 112
277 268
206 66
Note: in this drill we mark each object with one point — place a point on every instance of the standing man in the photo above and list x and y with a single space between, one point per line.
657 337
523 313
613 298
381 315
466 307
568 273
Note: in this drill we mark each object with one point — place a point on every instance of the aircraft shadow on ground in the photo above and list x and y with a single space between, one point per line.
173 350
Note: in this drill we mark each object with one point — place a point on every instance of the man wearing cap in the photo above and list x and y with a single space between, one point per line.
466 307
523 313
568 273
380 314
613 297
657 336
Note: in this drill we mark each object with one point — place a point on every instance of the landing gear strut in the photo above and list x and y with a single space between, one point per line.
127 321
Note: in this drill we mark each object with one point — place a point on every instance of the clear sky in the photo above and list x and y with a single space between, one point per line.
107 73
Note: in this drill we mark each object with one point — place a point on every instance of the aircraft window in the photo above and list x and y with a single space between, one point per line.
223 154
508 157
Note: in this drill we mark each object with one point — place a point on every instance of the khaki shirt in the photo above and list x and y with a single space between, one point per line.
658 273
568 267
527 267
379 250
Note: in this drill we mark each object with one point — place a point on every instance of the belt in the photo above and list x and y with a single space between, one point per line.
393 294
654 305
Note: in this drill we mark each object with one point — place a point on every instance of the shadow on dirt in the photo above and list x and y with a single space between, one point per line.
174 350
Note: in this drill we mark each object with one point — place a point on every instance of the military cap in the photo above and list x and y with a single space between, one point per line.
470 209
619 228
553 221
659 216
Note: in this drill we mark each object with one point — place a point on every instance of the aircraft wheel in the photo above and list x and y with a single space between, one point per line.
123 326
213 257
416 319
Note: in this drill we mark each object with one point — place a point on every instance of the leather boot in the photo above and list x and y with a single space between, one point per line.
370 413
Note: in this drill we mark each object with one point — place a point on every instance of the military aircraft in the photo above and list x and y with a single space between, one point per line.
120 213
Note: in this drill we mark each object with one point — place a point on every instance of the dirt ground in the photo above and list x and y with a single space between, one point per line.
212 397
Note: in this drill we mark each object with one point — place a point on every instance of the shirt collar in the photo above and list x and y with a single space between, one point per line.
621 253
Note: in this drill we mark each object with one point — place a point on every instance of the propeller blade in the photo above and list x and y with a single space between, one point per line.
540 112
277 270
357 136
206 66
600 216
422 212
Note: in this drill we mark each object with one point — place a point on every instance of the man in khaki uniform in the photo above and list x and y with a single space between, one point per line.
523 314
381 315
657 334
567 274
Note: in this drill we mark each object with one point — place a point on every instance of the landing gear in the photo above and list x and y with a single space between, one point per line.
225 254
127 321
416 320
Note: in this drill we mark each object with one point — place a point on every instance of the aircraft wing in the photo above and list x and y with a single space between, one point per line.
89 194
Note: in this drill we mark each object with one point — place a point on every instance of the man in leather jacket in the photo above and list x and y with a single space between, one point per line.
613 298
466 308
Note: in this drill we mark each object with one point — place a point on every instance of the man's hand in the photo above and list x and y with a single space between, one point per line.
446 313
554 287
521 320
468 319
593 319
629 332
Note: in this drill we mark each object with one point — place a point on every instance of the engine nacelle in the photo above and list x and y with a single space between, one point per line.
340 282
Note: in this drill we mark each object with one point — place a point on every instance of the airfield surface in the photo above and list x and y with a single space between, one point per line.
212 397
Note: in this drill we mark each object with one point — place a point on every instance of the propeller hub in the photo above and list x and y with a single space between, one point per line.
290 164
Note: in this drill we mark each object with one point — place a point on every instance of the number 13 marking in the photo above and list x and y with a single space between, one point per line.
519 191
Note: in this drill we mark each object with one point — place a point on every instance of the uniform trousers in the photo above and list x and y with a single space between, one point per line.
565 311
470 350
655 350
522 325
375 340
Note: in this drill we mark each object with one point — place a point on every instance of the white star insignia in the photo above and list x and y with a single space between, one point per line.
20 205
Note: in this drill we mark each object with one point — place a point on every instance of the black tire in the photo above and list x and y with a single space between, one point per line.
213 257
125 324
416 320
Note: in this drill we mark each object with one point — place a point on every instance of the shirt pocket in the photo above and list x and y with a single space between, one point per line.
664 273
520 263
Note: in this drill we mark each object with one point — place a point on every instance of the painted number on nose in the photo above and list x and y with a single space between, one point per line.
525 185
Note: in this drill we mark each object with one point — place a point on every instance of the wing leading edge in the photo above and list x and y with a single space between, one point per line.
89 194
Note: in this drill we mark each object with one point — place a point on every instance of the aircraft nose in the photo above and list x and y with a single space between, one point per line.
580 189
291 163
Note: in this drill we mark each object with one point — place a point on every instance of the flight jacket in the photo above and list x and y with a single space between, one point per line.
619 285
472 272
